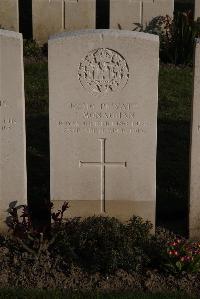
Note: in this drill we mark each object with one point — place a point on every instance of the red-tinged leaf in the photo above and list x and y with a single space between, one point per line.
55 216
65 206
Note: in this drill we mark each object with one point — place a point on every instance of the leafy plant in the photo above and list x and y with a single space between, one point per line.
173 254
182 256
156 248
34 240
104 244
177 43
177 36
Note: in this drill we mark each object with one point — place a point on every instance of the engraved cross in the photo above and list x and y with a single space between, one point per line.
102 164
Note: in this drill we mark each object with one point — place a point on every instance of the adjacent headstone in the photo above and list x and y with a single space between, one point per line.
48 18
12 120
125 14
197 9
103 120
80 14
132 14
9 15
54 16
156 8
194 214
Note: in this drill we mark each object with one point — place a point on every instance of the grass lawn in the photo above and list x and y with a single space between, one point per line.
175 93
36 294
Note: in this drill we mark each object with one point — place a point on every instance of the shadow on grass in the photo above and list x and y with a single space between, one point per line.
173 175
38 168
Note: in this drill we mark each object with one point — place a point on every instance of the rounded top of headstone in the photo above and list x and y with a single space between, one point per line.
105 32
11 34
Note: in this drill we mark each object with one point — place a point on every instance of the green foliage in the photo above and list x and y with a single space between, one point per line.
105 244
177 37
96 252
182 256
36 88
177 43
175 93
32 49
35 241
173 254
157 246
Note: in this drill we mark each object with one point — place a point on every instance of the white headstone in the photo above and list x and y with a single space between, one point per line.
194 213
12 111
9 15
80 14
54 16
48 18
103 119
197 9
156 8
127 14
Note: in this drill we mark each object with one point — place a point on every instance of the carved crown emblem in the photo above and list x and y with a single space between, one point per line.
103 71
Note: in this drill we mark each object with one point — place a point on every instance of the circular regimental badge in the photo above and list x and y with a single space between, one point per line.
103 71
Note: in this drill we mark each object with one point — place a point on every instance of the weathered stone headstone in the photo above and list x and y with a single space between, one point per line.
103 116
128 14
197 9
12 120
48 18
156 8
125 14
54 16
194 213
9 14
80 14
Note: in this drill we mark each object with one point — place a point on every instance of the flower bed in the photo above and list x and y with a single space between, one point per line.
97 253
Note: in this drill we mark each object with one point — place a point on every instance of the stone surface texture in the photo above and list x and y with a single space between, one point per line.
12 111
103 122
48 18
156 8
127 14
9 15
197 9
194 214
54 16
80 14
